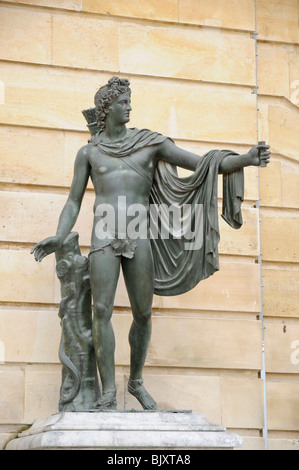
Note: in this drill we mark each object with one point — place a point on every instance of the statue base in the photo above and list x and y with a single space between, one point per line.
126 430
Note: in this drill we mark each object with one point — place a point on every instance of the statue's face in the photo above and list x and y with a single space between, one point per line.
119 110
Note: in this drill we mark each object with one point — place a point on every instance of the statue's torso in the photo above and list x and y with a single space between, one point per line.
112 177
118 185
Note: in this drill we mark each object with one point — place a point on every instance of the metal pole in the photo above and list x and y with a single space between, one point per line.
261 315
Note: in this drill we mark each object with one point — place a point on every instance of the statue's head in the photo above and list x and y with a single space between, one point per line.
105 96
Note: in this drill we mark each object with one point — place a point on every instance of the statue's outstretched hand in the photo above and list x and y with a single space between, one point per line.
259 155
46 247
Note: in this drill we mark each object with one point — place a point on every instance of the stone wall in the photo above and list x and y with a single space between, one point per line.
192 68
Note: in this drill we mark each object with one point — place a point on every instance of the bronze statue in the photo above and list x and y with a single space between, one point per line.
133 169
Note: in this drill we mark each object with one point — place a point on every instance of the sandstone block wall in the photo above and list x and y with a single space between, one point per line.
192 68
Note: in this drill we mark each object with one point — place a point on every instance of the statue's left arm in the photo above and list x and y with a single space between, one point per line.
169 152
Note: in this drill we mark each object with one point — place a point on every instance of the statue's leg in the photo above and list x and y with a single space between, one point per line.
104 274
139 279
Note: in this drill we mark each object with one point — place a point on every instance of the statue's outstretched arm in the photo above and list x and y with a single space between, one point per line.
259 155
169 152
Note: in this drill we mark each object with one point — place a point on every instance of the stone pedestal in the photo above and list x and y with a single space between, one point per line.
129 430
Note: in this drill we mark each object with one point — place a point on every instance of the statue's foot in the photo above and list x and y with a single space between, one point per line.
67 407
107 401
136 388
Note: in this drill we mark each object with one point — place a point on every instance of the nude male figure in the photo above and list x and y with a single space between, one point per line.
111 179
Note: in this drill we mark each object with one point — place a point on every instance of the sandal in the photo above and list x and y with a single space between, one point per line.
136 388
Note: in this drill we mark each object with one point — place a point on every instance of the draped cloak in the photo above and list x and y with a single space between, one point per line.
178 263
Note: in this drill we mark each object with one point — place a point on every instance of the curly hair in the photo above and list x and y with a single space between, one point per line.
106 95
